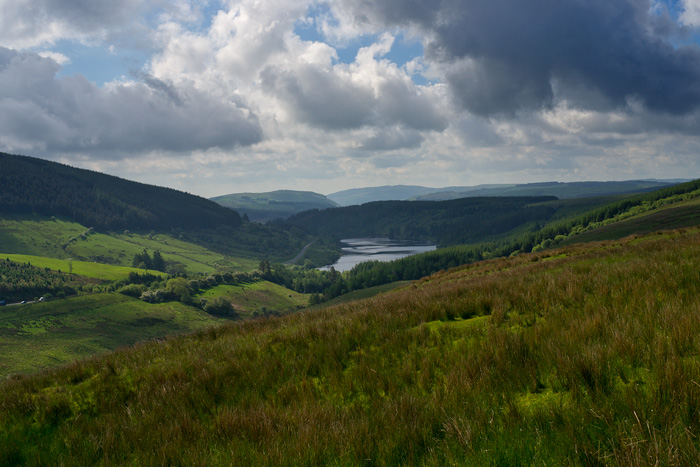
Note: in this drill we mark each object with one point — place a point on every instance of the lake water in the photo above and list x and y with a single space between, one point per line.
358 250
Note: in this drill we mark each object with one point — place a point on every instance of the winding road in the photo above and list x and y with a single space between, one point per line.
301 253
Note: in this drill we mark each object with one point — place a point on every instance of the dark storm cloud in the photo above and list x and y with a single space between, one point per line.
41 112
502 56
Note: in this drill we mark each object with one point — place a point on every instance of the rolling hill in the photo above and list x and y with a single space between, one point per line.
585 355
53 210
280 204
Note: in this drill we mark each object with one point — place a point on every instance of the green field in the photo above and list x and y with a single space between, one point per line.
586 355
57 238
43 335
81 268
363 294
257 297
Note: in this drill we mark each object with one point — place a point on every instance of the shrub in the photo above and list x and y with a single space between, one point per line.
132 290
219 306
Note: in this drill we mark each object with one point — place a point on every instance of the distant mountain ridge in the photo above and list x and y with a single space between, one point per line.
279 204
36 186
562 190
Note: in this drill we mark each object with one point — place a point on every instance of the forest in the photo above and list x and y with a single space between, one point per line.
102 201
454 222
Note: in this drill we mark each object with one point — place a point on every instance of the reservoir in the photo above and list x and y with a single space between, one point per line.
358 250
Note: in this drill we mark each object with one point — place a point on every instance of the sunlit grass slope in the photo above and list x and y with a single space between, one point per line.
587 355
81 268
260 297
57 238
48 334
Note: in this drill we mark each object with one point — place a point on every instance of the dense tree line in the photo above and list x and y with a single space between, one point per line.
30 185
144 260
22 281
454 222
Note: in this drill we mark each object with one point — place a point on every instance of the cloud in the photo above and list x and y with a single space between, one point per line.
503 57
388 139
371 91
246 99
691 13
40 112
30 23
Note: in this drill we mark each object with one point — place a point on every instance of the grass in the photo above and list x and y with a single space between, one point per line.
57 238
81 268
41 335
588 358
257 298
363 294
678 215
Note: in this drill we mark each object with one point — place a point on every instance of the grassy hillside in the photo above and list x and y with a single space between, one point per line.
80 268
280 204
48 334
41 335
53 210
586 355
677 215
63 239
258 298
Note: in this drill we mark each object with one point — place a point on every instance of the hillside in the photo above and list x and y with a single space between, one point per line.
562 190
53 210
467 220
574 220
280 204
356 196
31 185
585 355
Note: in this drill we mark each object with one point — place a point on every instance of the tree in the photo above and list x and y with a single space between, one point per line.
265 268
158 261
179 289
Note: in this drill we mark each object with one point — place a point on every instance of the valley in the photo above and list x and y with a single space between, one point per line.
544 330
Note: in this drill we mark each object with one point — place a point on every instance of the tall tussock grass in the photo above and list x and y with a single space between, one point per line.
588 355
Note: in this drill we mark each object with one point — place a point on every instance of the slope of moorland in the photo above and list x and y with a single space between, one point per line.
31 185
46 334
280 204
685 212
584 355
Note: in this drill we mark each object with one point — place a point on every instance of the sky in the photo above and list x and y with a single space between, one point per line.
214 97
